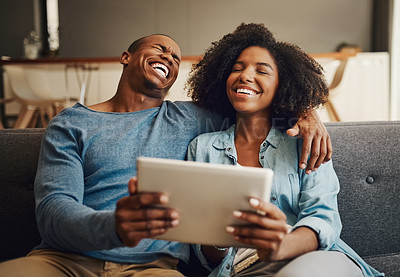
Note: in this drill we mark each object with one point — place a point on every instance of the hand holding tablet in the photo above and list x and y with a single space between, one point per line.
205 195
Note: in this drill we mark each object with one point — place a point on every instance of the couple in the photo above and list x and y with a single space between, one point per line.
93 225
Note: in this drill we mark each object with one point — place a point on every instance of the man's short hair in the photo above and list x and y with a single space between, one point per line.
137 43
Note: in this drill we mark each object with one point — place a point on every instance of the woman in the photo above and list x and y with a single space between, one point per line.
265 86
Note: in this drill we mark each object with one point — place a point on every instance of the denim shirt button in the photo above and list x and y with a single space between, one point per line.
229 149
264 144
273 198
228 266
262 157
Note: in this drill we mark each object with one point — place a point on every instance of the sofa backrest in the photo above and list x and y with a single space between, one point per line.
19 151
366 158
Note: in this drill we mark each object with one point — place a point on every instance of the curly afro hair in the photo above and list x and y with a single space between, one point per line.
302 84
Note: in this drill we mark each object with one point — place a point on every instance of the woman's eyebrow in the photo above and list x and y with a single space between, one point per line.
266 64
259 64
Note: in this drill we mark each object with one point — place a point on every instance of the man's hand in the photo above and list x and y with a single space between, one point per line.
316 141
143 215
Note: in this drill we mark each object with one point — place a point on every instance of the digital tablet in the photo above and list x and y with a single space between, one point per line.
205 195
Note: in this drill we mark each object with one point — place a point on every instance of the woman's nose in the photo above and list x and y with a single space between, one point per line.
247 76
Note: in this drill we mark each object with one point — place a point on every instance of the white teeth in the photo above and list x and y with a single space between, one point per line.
161 69
246 91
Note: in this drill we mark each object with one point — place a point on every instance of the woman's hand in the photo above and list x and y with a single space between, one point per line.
142 215
316 141
265 231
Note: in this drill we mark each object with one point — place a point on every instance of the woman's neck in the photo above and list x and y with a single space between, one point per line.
252 129
249 134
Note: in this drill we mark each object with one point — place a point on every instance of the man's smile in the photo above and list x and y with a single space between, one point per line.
161 69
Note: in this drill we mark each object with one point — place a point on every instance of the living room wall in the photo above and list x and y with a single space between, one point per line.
100 28
104 28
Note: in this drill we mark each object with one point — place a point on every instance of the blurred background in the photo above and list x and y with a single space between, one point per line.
366 32
103 28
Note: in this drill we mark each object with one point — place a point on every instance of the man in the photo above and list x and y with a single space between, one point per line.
90 221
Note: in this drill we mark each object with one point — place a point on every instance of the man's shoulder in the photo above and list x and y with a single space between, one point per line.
77 108
75 114
187 107
190 111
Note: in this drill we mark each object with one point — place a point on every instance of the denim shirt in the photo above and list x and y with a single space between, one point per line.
307 200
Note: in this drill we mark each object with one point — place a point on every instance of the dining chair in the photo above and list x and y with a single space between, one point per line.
336 62
337 79
33 107
2 103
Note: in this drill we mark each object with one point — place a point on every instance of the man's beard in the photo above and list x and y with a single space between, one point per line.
150 86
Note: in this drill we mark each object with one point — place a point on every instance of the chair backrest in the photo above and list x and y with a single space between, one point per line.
334 70
37 81
337 78
18 82
30 82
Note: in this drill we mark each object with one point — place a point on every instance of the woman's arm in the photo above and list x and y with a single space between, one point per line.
318 223
300 241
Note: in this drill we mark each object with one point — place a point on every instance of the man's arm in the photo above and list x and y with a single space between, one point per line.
64 222
316 141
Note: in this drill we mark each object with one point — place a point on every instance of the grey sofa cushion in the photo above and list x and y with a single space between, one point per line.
389 264
19 150
366 158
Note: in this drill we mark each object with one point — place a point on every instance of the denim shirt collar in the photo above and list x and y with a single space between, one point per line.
226 139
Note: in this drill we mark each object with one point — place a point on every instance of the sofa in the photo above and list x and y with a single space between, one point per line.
366 158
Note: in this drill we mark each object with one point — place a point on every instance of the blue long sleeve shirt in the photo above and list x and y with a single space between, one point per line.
86 160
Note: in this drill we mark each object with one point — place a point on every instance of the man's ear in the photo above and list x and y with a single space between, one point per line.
125 57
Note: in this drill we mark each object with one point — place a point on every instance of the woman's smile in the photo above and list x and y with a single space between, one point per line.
246 91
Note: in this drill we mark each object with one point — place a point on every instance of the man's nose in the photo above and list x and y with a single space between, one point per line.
168 57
